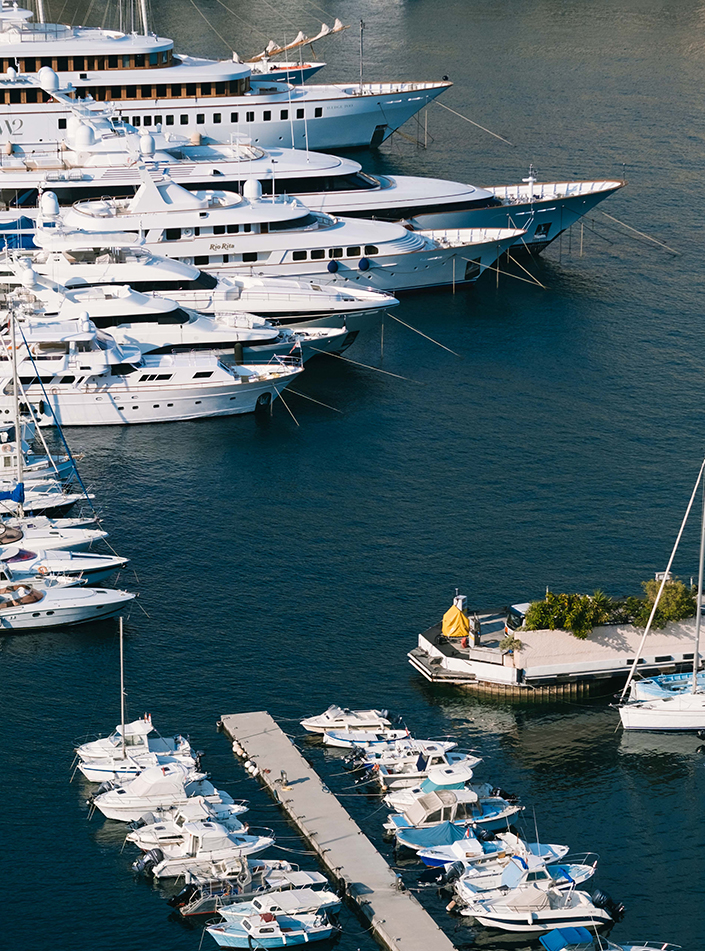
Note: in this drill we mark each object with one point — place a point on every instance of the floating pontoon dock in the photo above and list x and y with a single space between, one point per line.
398 920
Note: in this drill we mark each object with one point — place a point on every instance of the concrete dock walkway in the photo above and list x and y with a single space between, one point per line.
398 920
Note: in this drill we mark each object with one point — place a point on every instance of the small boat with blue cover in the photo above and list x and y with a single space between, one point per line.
470 849
580 939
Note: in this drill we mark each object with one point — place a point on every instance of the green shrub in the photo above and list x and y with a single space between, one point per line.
510 643
677 603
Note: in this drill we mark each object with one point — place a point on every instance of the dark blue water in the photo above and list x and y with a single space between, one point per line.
285 566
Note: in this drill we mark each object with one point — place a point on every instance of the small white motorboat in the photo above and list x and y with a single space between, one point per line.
412 769
300 901
167 826
271 931
203 842
138 738
204 894
55 534
533 910
365 739
496 884
470 850
24 607
155 788
122 767
460 807
448 777
340 718
86 567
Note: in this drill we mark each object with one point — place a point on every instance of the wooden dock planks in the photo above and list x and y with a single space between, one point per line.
398 920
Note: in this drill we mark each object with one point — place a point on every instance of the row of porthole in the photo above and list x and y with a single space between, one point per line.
158 405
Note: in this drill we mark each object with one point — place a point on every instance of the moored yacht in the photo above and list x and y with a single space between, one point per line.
145 78
56 534
25 608
227 233
96 158
87 567
82 259
77 375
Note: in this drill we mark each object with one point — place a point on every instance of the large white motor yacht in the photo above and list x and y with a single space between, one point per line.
27 608
153 85
96 158
227 233
76 375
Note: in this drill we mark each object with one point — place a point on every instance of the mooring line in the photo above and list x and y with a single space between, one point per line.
460 116
367 367
303 396
519 264
641 234
425 336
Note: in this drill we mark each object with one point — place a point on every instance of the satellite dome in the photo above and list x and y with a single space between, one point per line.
29 277
84 137
48 79
49 205
147 145
252 189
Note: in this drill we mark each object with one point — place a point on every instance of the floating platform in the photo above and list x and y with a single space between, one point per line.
398 921
551 665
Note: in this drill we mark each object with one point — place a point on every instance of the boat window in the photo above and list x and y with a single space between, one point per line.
266 115
183 120
335 253
62 123
317 255
233 229
434 817
249 117
299 255
122 369
172 234
293 223
284 114
317 112
371 249
447 813
299 113
201 259
67 379
169 120
204 282
200 118
353 252
234 117
147 120
249 256
218 229
202 374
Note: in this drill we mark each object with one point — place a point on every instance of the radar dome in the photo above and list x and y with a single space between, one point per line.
48 79
252 189
84 137
11 73
49 205
29 277
147 145
84 318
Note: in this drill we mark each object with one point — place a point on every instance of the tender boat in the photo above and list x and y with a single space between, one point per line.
25 607
155 788
461 807
498 884
84 566
272 931
204 841
365 739
340 718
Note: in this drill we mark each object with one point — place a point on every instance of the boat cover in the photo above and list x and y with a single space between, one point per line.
561 938
455 623
445 833
528 898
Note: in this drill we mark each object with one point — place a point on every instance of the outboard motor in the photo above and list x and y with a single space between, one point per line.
184 896
452 874
613 908
104 787
485 835
145 863
503 794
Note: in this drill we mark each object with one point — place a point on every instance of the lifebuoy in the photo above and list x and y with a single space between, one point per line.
6 447
43 570
54 390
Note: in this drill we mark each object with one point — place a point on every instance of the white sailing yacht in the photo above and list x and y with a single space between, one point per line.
685 710
153 85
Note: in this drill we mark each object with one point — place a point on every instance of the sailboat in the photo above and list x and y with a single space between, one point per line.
684 710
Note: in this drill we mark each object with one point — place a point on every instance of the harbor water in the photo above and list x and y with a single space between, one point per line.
284 563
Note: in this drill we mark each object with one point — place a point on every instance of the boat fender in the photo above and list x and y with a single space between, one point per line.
332 266
364 264
247 764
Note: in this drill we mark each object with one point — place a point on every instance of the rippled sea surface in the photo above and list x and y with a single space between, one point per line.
285 566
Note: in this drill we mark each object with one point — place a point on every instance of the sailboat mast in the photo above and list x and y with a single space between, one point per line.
143 11
16 401
699 599
122 692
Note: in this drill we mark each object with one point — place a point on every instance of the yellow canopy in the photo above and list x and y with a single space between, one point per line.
455 623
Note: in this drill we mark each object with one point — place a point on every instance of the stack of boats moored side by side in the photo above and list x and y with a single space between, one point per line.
463 830
47 577
189 831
